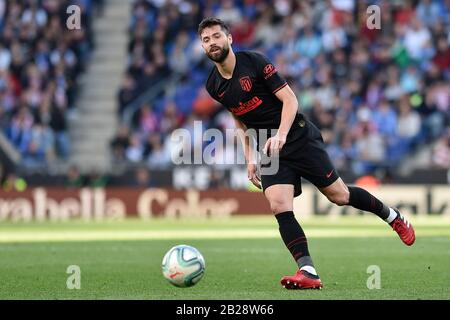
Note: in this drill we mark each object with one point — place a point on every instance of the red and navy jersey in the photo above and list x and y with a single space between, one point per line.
250 93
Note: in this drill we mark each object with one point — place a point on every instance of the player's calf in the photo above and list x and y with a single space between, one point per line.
337 192
340 199
361 199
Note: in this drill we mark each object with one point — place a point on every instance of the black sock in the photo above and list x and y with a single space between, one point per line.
363 200
294 238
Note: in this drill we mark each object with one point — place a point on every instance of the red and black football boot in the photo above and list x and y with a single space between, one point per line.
301 280
403 228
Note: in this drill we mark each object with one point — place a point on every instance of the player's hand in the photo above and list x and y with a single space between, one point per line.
274 144
253 176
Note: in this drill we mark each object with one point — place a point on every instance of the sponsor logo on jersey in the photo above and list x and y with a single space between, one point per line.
269 70
246 83
247 106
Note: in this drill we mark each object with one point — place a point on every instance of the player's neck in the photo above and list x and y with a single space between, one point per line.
226 68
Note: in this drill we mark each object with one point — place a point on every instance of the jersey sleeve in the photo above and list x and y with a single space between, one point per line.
268 73
211 92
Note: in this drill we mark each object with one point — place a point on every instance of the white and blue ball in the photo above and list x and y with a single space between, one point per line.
183 266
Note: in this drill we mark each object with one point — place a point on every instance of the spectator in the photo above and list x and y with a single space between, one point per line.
385 120
148 122
441 152
309 44
41 146
334 38
96 180
428 11
142 178
393 90
160 156
127 92
409 121
179 59
370 149
120 144
74 178
442 56
19 131
417 39
135 150
229 13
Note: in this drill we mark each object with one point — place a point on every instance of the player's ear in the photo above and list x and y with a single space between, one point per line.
230 38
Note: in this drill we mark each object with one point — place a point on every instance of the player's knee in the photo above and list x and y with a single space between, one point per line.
278 206
340 198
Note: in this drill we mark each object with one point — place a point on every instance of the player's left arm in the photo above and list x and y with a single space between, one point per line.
288 113
277 84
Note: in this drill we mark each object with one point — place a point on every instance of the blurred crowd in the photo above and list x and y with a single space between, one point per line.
40 62
376 94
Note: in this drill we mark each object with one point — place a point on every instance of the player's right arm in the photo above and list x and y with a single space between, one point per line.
249 153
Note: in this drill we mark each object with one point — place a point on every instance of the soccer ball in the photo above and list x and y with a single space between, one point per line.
183 266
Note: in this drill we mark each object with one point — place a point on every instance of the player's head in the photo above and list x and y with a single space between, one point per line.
216 38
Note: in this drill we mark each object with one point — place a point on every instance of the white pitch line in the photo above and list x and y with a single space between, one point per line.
57 236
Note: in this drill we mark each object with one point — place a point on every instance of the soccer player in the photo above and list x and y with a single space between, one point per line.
258 97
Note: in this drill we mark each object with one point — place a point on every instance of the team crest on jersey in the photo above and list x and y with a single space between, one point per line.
246 83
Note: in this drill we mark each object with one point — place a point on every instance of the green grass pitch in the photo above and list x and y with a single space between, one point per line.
245 259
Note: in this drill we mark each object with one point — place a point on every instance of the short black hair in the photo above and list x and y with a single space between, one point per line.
210 22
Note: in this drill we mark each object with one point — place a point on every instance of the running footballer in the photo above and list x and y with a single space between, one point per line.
259 98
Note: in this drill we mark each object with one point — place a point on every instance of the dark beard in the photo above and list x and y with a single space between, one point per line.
223 55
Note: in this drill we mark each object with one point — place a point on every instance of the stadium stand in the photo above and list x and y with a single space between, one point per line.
380 97
377 95
40 63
